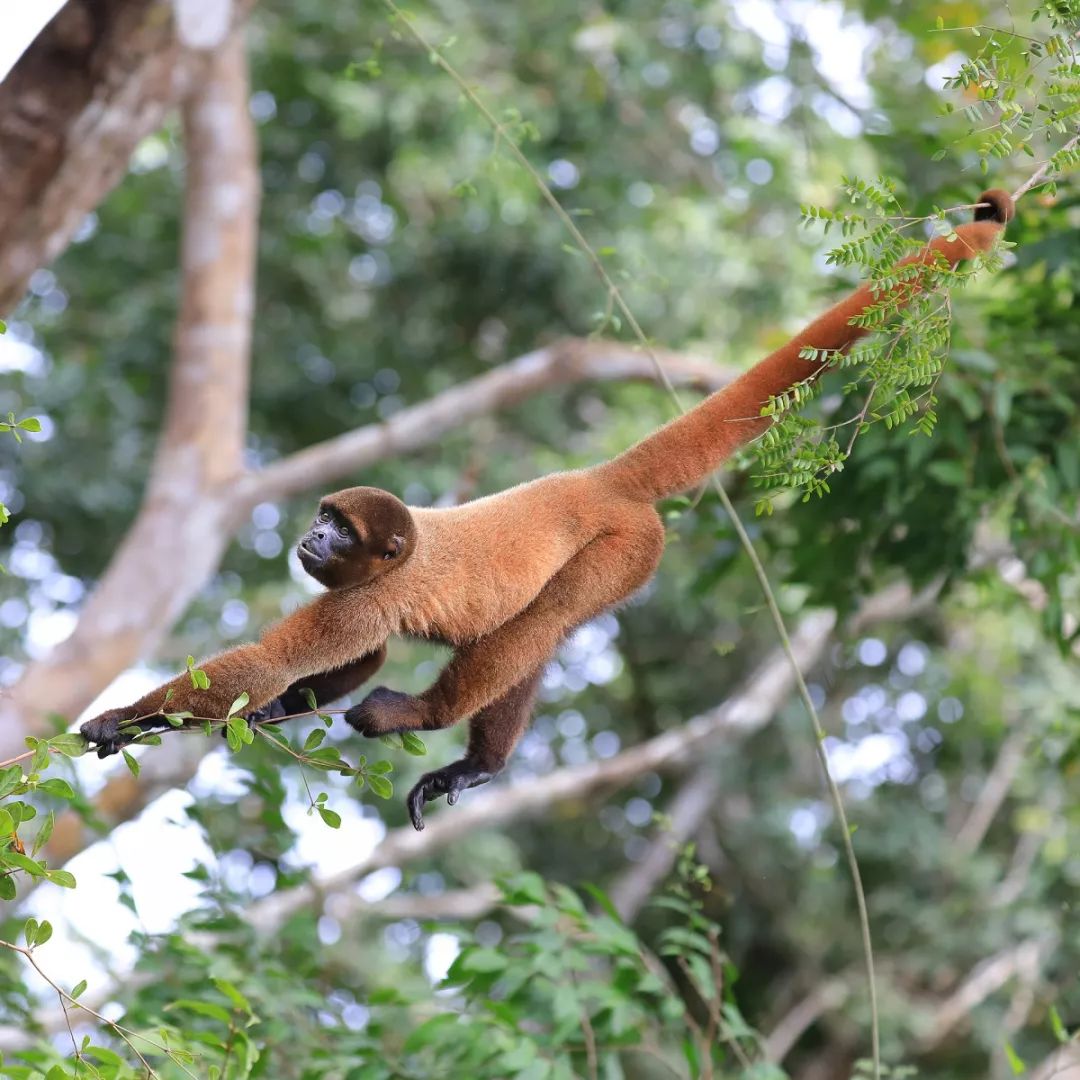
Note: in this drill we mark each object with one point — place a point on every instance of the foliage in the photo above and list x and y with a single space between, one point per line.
402 253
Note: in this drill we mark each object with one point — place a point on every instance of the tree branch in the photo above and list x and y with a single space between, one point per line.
180 532
741 715
985 979
994 792
562 363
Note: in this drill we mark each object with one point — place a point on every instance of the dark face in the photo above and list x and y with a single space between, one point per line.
357 535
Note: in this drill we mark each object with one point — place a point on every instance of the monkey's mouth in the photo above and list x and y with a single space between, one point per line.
304 553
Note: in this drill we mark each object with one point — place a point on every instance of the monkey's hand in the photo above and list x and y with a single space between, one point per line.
388 712
272 710
451 781
114 729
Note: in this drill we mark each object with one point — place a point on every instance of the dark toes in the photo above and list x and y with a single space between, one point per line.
451 781
417 797
103 732
427 789
385 712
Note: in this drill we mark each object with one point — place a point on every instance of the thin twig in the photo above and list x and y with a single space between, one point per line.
68 1002
1041 173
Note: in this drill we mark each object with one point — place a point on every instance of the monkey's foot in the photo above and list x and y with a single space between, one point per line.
451 781
105 734
388 712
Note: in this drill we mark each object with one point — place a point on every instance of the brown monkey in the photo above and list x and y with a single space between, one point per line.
502 579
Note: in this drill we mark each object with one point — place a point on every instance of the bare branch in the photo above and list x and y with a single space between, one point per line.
766 690
1062 1064
697 797
562 363
994 792
826 996
985 979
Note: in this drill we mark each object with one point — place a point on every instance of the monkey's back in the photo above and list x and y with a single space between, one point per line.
479 564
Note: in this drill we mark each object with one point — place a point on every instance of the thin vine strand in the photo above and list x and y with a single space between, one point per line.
615 295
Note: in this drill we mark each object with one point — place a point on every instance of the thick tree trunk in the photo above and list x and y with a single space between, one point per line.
98 78
182 529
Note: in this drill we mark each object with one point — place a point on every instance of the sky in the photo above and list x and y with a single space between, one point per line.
19 25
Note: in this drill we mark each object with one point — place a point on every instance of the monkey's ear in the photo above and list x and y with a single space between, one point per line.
395 547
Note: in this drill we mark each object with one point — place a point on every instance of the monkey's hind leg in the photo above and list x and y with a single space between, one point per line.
493 733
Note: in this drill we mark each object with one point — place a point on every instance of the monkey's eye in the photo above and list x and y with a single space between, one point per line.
343 530
389 554
324 516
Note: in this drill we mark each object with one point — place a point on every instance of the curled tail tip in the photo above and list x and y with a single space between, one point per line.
995 205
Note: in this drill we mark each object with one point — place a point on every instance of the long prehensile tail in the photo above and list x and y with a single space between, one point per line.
681 454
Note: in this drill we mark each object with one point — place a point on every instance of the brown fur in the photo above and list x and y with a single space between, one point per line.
502 579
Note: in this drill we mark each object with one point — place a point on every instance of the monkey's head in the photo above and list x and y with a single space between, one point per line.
358 534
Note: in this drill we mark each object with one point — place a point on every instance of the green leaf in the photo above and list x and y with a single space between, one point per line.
238 733
429 1032
10 778
229 990
483 961
309 696
329 817
62 878
40 760
70 744
24 862
30 931
314 739
413 744
43 833
380 785
603 900
239 703
131 763
7 825
31 423
44 932
201 1008
78 988
1016 1062
1057 1026
55 786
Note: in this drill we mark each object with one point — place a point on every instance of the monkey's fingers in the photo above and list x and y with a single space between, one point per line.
105 734
451 781
272 710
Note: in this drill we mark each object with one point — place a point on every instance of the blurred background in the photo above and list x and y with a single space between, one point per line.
399 254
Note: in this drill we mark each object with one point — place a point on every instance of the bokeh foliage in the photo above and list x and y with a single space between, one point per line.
401 253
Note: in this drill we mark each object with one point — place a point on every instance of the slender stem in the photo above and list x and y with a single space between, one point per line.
1041 173
67 1001
744 538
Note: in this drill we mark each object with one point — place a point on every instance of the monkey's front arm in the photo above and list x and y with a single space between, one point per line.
310 642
